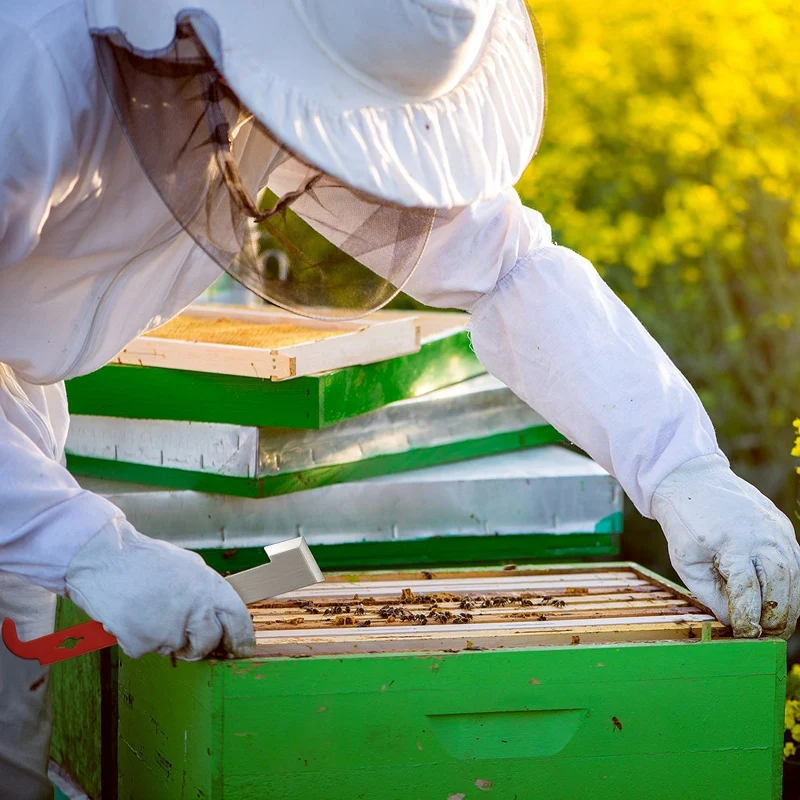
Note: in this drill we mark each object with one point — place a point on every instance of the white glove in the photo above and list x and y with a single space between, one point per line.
157 598
731 547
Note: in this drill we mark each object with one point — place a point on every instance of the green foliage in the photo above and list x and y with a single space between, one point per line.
669 160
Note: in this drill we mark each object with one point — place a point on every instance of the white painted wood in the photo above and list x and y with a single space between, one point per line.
473 409
375 338
221 359
376 342
216 448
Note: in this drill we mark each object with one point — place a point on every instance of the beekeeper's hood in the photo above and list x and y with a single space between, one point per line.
363 116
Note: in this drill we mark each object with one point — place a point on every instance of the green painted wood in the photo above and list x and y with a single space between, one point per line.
76 691
287 483
667 720
438 551
120 390
58 794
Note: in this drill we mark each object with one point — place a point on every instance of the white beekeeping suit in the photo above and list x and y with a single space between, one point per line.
135 145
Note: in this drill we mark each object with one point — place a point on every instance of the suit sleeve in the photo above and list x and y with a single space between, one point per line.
45 517
546 324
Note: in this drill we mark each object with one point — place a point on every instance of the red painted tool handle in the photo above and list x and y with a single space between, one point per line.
59 646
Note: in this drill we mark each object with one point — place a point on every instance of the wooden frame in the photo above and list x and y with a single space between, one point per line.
587 604
361 342
313 401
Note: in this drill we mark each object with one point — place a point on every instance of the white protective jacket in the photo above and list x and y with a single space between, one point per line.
90 258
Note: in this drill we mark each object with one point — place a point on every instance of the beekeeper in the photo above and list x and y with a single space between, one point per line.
137 139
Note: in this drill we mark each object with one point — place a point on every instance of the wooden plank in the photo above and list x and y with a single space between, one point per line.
201 357
76 688
458 641
364 342
471 609
592 571
647 595
283 617
532 722
462 585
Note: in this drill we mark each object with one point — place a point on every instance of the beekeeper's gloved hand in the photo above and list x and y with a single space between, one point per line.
157 598
731 546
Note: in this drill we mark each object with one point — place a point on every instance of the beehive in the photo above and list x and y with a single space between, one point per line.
476 417
311 401
540 504
553 683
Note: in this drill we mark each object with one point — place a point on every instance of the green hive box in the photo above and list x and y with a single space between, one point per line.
690 714
539 504
314 401
473 418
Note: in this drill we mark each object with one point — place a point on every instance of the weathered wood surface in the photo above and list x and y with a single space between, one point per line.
669 719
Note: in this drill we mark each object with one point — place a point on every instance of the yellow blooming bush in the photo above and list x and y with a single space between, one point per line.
791 720
671 160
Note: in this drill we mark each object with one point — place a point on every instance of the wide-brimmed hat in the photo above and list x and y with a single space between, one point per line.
423 103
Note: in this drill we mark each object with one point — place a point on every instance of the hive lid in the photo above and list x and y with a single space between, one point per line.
444 358
481 414
480 609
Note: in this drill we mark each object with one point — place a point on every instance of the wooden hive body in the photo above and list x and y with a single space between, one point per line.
625 690
312 401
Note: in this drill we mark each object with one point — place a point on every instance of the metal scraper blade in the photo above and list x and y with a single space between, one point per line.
291 566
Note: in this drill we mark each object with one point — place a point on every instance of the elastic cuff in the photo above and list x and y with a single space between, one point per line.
694 468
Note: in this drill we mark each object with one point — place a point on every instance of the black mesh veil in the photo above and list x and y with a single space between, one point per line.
306 242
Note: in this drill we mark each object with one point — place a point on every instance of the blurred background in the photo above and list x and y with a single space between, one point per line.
670 160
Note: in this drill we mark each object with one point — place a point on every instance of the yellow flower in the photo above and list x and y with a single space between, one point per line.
691 275
789 749
789 717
